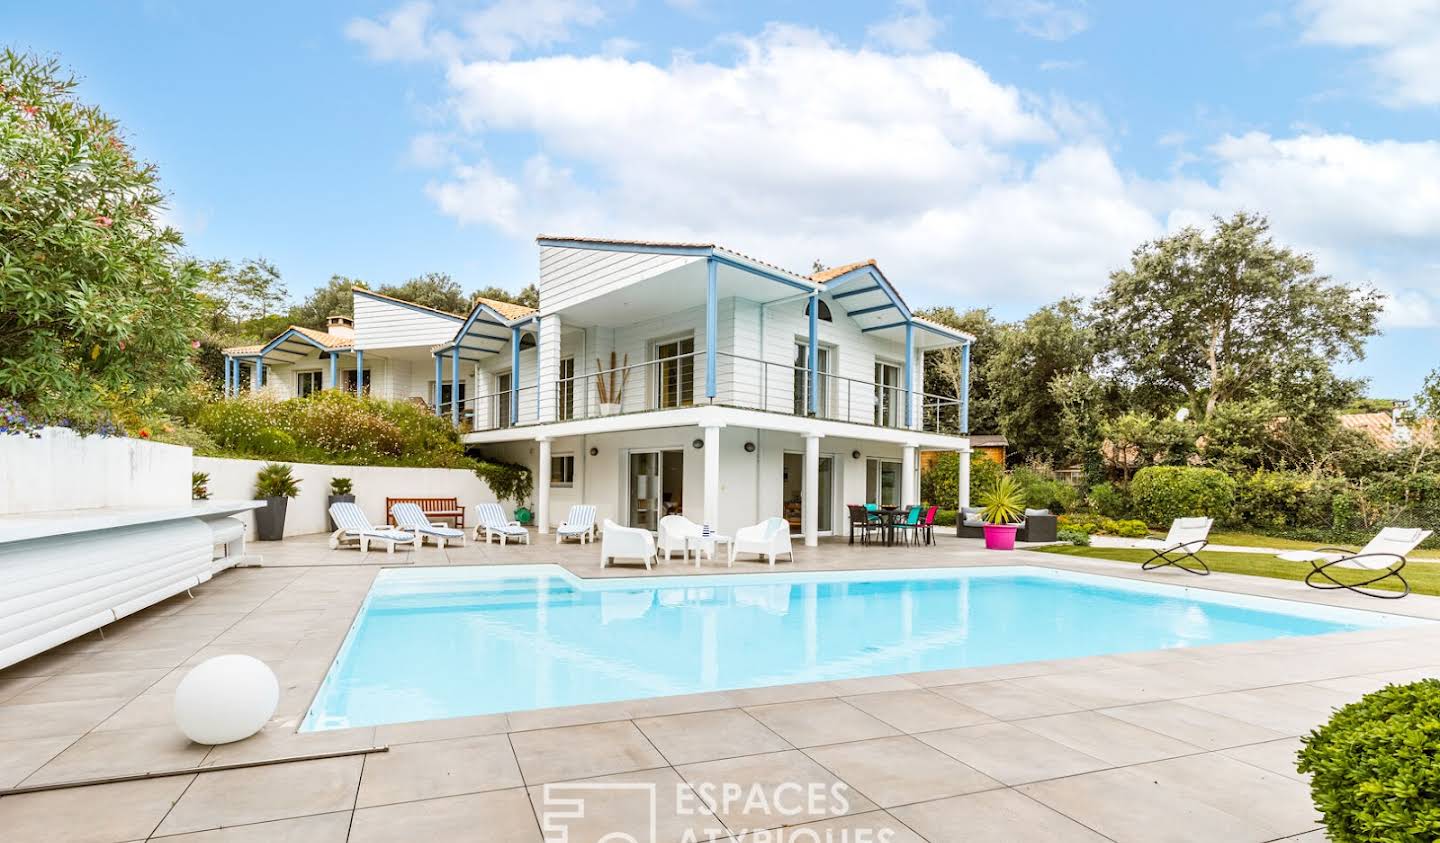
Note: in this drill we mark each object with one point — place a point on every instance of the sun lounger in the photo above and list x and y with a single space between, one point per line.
493 523
409 516
1187 537
352 525
1384 556
579 524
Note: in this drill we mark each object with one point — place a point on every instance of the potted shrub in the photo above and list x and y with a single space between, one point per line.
199 486
341 490
275 484
1002 507
1374 772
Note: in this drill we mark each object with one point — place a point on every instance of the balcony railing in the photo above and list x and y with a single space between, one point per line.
743 382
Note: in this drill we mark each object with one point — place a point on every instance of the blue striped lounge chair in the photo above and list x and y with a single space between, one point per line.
409 516
494 523
352 525
579 524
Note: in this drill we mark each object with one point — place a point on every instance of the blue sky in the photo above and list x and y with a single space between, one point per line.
988 152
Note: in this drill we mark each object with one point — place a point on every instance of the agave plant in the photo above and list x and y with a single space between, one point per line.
1003 502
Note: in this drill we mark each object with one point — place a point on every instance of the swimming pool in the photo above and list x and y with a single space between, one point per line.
458 641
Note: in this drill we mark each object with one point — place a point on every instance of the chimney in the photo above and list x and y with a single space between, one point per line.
340 326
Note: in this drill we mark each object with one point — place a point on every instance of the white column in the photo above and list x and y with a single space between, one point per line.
810 492
542 487
712 475
907 476
547 358
255 375
964 479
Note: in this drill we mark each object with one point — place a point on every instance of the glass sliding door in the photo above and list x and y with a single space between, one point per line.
882 482
802 380
675 374
656 487
793 493
887 395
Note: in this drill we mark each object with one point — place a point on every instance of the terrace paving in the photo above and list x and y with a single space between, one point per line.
1180 744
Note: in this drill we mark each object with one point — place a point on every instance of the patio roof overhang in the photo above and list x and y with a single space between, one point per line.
864 294
486 331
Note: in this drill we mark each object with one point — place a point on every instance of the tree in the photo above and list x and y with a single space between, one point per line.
1230 316
1053 341
236 294
529 295
433 289
943 370
333 299
97 303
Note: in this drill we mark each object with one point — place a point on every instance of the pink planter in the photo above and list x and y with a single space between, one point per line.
1000 536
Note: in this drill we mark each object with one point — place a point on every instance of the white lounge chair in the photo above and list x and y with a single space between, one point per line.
770 538
617 542
1187 537
1384 555
493 523
410 517
352 525
674 529
579 524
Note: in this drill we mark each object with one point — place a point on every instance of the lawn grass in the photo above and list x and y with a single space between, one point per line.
1424 577
1242 539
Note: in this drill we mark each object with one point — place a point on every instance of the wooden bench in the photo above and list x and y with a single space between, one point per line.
433 508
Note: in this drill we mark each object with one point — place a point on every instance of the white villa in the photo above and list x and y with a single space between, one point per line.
660 378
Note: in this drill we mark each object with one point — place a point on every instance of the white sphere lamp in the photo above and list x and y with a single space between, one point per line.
226 699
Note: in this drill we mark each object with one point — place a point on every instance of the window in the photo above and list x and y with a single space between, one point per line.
565 390
562 470
888 396
675 373
802 380
824 312
350 380
306 383
446 388
882 482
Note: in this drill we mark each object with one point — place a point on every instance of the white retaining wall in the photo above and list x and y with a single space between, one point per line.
232 479
61 470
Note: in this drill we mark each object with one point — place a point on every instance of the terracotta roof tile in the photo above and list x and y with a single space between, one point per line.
834 272
509 310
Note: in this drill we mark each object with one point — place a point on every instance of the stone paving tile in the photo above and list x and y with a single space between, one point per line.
497 816
97 814
1113 741
816 722
1204 729
710 735
875 826
628 801
1273 756
257 794
1010 754
1267 800
73 687
918 710
728 785
19 759
120 752
319 828
898 771
439 768
435 730
1005 701
998 815
577 752
43 720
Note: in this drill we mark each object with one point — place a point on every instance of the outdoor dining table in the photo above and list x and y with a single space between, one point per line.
890 517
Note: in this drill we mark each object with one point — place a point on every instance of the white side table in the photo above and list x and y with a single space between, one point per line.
708 544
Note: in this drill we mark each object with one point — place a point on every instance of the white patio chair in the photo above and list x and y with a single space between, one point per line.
617 542
352 525
494 523
409 516
1385 555
1187 537
579 524
770 538
673 531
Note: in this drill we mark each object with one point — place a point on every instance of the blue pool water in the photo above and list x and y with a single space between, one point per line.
452 642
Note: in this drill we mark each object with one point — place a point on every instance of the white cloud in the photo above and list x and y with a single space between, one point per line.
496 31
1401 36
1051 21
475 193
912 29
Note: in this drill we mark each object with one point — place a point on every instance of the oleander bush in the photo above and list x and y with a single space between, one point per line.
1375 767
1163 493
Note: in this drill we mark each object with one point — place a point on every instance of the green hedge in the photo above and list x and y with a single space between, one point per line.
1375 769
1166 492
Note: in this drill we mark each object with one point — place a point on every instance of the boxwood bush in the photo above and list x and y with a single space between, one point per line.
1375 767
1163 493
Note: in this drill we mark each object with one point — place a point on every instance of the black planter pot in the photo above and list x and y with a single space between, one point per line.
270 521
336 499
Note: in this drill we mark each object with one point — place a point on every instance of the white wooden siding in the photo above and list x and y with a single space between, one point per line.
570 276
386 324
